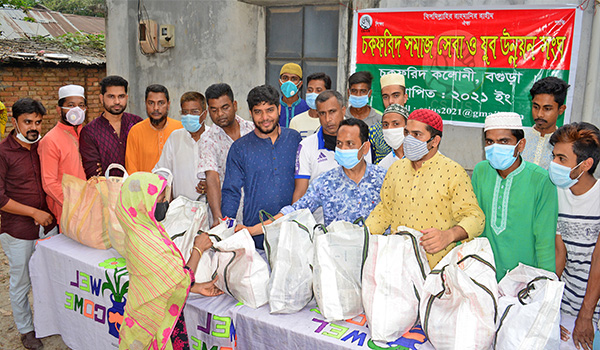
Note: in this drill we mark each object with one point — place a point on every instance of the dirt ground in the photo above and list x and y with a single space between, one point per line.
10 339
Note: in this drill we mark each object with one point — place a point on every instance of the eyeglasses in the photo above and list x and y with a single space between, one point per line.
192 112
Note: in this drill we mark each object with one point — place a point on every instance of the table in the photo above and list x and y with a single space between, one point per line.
79 293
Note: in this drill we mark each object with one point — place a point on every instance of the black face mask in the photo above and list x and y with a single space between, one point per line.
330 142
161 210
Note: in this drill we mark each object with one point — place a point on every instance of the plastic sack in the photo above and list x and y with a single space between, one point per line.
242 272
182 222
289 248
84 217
207 266
340 252
458 307
109 193
225 229
529 303
392 283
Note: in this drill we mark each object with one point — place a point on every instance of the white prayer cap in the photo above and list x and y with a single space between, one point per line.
71 90
392 79
503 120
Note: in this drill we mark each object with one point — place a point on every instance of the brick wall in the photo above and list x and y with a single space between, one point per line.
42 83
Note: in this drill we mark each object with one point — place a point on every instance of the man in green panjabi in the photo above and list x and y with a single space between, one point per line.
519 200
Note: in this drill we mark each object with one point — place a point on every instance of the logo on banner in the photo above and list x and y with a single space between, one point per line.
366 22
87 283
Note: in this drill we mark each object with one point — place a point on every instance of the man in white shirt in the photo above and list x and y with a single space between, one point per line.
307 123
316 153
215 144
180 153
547 104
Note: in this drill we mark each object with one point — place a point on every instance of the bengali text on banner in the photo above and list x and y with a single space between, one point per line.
466 64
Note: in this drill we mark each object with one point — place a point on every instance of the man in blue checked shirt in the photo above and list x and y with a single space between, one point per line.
261 162
349 191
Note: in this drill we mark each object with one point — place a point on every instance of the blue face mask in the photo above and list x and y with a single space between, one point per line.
310 100
560 175
501 157
358 101
348 158
289 89
191 122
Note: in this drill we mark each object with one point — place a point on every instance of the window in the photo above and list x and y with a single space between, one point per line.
307 35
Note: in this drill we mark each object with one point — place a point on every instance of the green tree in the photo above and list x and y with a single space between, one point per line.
96 8
19 4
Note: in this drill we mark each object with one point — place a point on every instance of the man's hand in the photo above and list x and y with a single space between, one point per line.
255 230
434 240
201 187
239 227
41 217
216 222
583 333
564 334
202 241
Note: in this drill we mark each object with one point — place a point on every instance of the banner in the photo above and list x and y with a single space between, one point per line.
467 64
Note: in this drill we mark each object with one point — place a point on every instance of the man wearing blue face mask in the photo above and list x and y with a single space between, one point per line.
359 92
180 153
348 191
308 123
316 154
576 153
517 198
290 83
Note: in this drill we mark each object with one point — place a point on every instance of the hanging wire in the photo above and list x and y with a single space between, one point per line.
585 3
143 17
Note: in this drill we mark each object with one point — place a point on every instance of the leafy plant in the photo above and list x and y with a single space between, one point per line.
76 41
118 291
96 8
19 4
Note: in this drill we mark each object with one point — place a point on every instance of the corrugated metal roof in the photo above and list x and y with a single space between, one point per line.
88 25
13 25
47 23
20 49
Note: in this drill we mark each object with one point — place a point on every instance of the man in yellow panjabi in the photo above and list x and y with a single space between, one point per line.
428 191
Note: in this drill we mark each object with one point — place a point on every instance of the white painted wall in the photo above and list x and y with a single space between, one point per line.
215 41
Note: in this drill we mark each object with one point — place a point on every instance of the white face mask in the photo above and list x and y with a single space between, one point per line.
75 116
22 137
394 137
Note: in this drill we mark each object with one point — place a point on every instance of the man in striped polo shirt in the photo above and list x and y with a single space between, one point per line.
575 157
